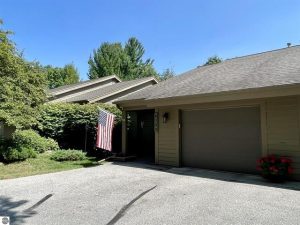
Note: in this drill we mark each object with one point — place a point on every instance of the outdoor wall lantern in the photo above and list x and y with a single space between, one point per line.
165 117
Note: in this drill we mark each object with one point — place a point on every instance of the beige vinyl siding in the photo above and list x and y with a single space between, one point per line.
280 121
280 128
168 136
283 128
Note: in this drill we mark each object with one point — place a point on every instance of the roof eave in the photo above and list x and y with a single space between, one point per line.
251 93
74 88
121 90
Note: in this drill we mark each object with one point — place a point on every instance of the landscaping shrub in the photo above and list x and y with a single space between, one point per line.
68 155
25 144
276 168
31 139
69 124
52 145
12 154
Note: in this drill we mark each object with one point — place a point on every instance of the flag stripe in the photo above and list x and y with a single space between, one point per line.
110 131
105 128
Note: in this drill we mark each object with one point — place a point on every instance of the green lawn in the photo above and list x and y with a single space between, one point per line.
41 164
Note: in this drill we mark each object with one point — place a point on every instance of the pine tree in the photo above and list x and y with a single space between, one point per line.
127 62
213 60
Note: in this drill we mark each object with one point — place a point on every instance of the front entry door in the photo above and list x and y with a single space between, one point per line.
140 134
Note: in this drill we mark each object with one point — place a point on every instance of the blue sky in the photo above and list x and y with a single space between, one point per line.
176 34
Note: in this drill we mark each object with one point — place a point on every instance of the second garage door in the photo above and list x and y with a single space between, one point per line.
222 139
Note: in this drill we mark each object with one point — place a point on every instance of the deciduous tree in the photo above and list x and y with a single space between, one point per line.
58 76
22 85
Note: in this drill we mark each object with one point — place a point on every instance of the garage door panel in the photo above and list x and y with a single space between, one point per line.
226 139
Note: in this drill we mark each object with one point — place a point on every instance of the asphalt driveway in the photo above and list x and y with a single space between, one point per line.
133 193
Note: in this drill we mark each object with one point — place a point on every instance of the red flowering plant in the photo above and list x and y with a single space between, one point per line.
275 167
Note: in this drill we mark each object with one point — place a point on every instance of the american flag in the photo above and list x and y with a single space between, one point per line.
105 127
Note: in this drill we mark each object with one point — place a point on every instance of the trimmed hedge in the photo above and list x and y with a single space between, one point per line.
31 139
68 155
25 144
69 123
13 154
10 152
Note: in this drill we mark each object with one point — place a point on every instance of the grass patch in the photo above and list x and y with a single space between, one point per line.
40 165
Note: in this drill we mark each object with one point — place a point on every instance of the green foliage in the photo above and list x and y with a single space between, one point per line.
71 74
22 85
213 60
69 123
12 154
31 139
25 144
137 68
135 51
127 62
9 152
57 76
109 59
51 145
167 74
68 155
54 117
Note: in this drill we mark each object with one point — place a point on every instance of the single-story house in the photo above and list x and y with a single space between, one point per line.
105 90
223 116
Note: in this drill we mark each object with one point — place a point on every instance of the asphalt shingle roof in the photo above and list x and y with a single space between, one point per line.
102 92
273 68
86 83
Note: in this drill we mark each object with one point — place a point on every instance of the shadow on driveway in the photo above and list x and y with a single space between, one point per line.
212 174
8 207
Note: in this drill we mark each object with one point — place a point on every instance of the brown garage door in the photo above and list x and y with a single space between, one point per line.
222 139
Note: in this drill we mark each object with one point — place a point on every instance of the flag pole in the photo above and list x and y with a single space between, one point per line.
85 139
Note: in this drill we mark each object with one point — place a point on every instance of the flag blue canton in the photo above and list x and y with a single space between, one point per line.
102 118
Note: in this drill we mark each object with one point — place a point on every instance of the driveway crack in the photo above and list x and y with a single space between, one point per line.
122 211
